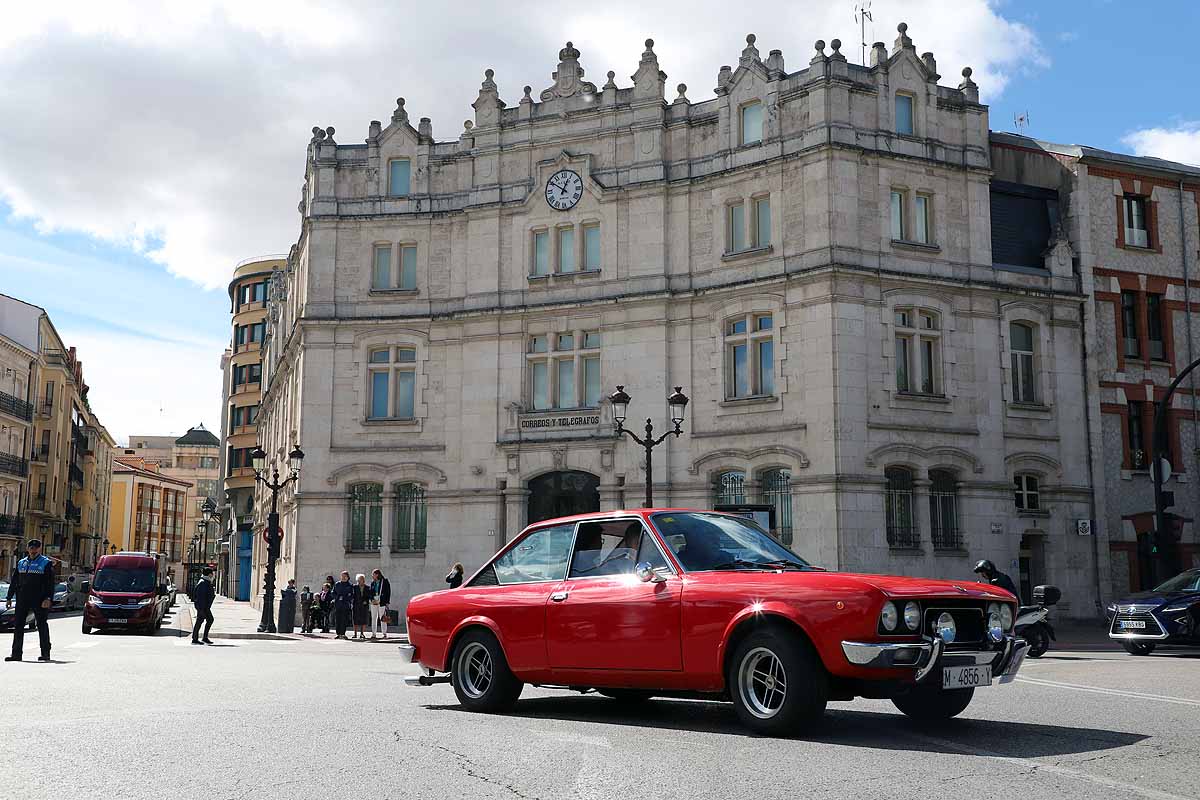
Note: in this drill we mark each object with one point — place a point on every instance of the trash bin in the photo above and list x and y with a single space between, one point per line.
287 610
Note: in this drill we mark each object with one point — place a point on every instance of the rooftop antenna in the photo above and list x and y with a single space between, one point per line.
862 13
1021 121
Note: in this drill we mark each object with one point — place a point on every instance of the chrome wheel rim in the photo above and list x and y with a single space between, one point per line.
475 670
762 683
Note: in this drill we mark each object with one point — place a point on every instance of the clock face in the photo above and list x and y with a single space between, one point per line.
564 189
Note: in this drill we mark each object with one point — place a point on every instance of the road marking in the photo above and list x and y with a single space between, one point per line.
1127 789
1183 701
82 645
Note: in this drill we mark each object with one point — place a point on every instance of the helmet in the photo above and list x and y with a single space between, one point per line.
985 566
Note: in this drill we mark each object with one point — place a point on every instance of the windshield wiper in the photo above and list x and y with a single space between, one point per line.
786 562
741 563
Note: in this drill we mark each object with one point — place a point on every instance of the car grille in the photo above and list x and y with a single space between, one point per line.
1152 627
968 623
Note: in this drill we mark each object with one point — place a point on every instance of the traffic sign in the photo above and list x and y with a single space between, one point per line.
1165 466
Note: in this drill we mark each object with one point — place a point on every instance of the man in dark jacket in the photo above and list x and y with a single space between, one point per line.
202 596
996 578
343 603
382 589
32 585
307 600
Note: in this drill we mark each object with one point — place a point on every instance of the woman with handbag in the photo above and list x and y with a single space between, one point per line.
381 588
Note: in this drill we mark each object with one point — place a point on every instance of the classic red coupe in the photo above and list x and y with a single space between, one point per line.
677 602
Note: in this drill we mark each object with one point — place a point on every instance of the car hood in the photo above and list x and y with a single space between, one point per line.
1155 599
897 586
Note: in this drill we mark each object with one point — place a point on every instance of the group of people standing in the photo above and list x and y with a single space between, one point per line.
341 604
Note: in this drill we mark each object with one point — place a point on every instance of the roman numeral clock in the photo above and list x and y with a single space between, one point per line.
564 189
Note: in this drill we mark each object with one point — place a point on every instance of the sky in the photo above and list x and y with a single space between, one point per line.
147 148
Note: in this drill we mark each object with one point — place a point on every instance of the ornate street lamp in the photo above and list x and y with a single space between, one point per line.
620 405
274 535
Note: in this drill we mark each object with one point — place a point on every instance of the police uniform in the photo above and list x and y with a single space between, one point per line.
32 583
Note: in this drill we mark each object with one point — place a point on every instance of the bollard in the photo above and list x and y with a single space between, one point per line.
287 610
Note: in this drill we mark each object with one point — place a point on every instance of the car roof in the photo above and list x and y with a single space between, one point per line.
627 512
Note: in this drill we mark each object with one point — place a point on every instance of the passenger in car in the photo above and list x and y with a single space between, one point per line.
587 552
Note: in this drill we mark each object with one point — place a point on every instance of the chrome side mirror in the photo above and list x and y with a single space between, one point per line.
647 573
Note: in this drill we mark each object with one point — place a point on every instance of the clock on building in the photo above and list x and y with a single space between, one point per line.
564 189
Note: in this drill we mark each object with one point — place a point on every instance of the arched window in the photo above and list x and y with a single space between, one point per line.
943 510
1024 379
898 508
730 487
918 351
366 517
408 529
1027 492
777 490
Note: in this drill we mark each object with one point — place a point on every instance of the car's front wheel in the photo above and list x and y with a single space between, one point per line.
1138 648
86 629
480 674
934 703
778 682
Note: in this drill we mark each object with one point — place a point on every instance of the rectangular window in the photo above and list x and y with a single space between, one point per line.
539 344
737 228
897 216
921 229
1021 345
239 336
379 395
591 382
255 373
766 366
565 341
591 247
541 253
399 173
928 364
566 249
1129 321
1137 442
752 123
408 266
1154 327
762 222
381 272
904 114
406 386
591 340
566 384
741 371
903 364
257 331
540 379
1136 231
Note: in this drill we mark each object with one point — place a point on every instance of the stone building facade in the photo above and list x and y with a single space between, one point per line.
18 356
808 254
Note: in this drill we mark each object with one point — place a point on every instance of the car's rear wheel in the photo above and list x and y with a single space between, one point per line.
1039 641
480 674
1138 648
630 697
778 682
934 703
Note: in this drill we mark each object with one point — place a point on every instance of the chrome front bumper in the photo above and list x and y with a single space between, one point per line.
924 656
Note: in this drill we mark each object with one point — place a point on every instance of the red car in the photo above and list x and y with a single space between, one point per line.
676 602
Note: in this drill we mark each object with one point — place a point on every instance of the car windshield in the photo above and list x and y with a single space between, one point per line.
1183 582
62 587
703 541
124 579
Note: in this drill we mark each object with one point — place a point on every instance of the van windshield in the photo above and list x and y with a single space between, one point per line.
124 579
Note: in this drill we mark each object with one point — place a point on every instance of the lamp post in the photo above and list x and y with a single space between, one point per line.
274 535
620 404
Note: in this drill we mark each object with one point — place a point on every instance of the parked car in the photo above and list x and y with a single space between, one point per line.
634 604
128 591
1169 614
8 615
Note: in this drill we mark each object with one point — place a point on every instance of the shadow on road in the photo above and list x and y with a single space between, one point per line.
840 726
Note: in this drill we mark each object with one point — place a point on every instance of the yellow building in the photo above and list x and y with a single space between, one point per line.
147 510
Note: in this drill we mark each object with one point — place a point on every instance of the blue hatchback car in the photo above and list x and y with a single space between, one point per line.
1169 614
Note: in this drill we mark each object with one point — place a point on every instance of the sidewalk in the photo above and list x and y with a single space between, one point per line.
237 619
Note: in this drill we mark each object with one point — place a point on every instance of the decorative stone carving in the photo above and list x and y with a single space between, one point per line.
968 87
649 80
514 463
568 78
559 454
400 115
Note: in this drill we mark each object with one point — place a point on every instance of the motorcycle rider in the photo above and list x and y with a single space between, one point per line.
996 578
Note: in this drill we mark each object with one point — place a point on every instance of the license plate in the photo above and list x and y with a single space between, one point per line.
116 621
966 677
1132 623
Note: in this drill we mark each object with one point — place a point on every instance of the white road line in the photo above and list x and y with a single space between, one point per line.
1127 789
82 645
1183 701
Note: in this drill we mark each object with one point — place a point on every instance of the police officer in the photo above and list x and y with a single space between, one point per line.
33 585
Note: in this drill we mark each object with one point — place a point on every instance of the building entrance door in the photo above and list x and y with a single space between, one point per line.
561 494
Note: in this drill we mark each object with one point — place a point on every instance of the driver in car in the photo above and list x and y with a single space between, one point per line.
702 550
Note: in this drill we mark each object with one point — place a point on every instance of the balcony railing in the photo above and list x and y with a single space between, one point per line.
40 455
46 407
11 525
76 475
38 502
74 513
14 465
16 407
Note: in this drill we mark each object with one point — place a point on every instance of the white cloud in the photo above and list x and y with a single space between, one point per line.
1180 143
179 129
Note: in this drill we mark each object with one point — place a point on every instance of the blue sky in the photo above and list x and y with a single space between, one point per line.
173 143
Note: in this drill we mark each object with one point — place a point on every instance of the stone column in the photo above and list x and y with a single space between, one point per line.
516 507
389 520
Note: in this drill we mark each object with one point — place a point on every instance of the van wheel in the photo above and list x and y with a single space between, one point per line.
480 674
1138 648
86 629
931 704
778 682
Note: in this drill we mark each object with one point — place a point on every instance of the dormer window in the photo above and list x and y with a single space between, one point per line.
752 122
904 114
399 175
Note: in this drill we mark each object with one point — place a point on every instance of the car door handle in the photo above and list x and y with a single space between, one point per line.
558 597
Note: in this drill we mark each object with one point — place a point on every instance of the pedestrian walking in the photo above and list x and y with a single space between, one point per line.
363 596
343 604
307 601
455 577
32 586
202 597
382 588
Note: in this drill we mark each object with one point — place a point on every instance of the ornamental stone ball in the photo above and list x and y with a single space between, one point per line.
819 46
751 38
902 28
966 72
649 43
836 44
489 73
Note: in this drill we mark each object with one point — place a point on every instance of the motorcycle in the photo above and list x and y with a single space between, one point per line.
1032 623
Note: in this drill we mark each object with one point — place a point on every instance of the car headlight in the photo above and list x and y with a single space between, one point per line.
145 601
93 600
1006 616
912 616
945 628
1174 610
993 608
995 629
888 617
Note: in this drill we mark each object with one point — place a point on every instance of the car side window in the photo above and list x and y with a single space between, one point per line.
540 556
648 551
610 547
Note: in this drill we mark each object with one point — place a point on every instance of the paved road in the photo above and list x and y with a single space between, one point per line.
122 716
